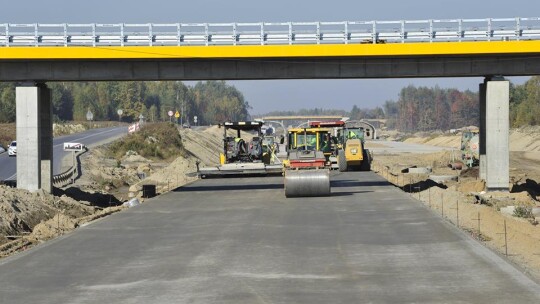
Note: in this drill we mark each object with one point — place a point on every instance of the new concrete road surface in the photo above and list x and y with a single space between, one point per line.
93 137
238 240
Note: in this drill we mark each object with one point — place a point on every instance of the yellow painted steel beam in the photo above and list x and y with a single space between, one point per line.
271 51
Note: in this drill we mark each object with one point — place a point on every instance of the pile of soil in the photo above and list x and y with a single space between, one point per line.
29 218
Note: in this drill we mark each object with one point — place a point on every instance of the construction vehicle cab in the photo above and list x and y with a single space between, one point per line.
236 149
313 139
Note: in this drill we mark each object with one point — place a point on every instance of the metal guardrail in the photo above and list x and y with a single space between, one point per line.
67 177
176 34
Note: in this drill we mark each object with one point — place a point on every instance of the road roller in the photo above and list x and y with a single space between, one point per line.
307 170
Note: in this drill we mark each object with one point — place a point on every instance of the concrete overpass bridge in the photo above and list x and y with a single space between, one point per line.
33 54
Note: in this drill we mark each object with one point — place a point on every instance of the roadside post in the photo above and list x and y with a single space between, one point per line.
170 113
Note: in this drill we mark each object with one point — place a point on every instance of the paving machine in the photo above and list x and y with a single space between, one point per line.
307 170
241 156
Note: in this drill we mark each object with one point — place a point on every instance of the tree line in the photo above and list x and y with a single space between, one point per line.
416 109
212 102
433 108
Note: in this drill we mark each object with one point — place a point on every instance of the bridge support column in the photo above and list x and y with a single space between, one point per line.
34 137
482 157
46 136
497 125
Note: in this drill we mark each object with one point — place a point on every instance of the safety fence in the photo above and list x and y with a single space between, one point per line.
262 33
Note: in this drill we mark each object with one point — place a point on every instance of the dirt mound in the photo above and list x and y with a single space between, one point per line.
21 211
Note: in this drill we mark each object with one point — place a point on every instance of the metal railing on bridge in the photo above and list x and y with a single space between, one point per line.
453 30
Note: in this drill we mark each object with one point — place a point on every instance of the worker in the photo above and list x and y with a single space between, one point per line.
313 141
326 144
351 135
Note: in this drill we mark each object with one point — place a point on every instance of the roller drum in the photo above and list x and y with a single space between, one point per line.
300 183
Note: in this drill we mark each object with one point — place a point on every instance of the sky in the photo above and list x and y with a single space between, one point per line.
272 95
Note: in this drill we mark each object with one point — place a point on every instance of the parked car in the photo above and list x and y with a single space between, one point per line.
12 149
2 149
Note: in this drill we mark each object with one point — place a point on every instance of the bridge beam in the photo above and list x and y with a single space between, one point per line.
495 125
34 137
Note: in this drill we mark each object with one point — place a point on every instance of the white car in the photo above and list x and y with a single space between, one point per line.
12 149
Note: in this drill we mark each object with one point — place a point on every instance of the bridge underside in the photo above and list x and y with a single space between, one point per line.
267 68
110 64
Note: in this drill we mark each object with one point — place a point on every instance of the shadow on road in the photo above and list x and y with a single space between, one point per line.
348 193
355 183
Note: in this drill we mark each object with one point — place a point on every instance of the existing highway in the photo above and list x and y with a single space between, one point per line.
93 137
239 240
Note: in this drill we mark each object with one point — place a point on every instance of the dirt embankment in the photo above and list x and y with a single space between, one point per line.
465 203
27 218
124 176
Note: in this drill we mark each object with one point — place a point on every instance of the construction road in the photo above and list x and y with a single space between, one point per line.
238 240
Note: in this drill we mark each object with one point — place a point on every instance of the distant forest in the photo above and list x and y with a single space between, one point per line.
424 108
416 109
212 102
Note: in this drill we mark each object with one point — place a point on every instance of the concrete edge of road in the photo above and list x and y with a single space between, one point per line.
515 270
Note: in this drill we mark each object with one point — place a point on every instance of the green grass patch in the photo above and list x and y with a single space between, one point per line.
160 141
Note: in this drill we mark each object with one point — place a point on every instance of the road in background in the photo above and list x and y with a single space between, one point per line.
91 138
239 240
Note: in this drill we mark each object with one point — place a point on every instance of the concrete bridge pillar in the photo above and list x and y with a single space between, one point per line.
46 136
494 129
482 94
34 137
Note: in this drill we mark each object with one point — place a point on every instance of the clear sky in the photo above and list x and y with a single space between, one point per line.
271 95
